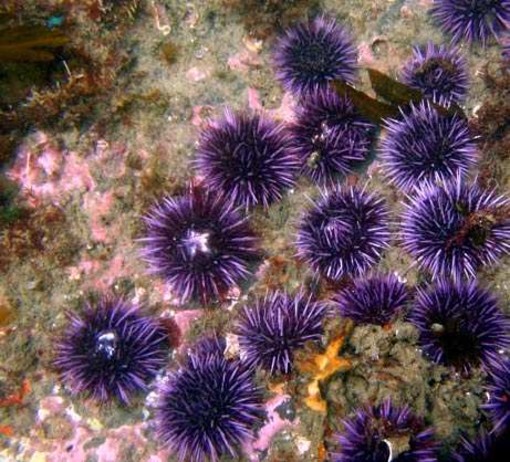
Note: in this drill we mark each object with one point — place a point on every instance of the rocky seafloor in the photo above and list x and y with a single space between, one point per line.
93 135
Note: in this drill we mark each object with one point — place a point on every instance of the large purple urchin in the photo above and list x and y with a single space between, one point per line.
209 407
110 351
498 388
344 233
375 300
385 433
247 158
423 145
452 231
309 55
439 72
472 20
200 244
460 324
275 326
330 137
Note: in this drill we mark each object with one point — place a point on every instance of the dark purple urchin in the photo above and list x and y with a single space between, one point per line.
275 326
472 20
110 351
498 388
452 231
200 244
209 407
485 447
424 145
247 158
374 300
385 433
344 233
330 137
439 72
309 55
460 324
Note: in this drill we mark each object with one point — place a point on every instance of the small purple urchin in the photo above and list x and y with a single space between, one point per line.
472 20
275 326
209 407
452 231
247 158
344 233
200 244
498 387
439 72
374 300
309 55
423 145
386 433
460 324
330 137
485 447
110 351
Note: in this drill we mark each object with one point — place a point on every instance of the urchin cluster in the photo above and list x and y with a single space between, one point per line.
453 230
383 433
110 351
425 145
460 324
439 72
247 158
472 20
376 300
308 56
200 244
498 388
209 407
344 233
329 136
272 328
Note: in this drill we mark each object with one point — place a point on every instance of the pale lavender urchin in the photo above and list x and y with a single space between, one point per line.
246 158
330 137
309 55
423 145
209 407
452 231
373 433
344 233
460 325
200 244
378 299
274 327
472 20
439 72
110 351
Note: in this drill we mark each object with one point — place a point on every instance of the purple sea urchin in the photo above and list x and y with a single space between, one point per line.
439 72
209 407
383 433
374 300
472 20
275 326
498 387
247 158
200 244
309 55
453 230
485 447
329 136
344 233
110 351
424 145
460 324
